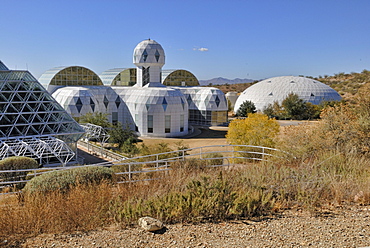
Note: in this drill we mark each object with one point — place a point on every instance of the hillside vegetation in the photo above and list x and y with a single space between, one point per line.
348 84
233 87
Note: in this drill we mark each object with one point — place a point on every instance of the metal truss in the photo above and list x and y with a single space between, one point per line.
46 149
95 132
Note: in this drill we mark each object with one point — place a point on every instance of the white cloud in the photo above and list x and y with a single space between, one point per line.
202 49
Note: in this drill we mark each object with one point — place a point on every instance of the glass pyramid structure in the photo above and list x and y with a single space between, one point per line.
32 122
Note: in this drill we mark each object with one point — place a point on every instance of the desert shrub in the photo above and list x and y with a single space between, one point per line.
202 196
214 158
343 128
302 142
128 168
257 130
64 180
83 208
16 163
189 164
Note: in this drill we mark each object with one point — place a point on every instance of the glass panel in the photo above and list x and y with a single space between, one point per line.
167 125
150 123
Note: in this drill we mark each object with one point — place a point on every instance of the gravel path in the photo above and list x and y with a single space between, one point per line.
342 228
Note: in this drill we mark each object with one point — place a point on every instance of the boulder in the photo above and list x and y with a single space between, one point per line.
150 224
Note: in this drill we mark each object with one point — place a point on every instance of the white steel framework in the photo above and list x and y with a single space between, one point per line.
32 122
95 132
46 150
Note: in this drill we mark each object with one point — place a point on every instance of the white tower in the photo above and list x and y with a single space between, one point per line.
149 58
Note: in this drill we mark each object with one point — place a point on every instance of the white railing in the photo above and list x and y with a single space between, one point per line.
136 169
105 153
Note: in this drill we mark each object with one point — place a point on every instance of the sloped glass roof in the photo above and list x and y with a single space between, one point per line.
119 77
70 76
28 110
3 66
179 78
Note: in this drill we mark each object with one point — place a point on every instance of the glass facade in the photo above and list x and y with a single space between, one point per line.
150 123
70 76
167 123
127 77
3 67
32 122
207 117
146 75
119 77
182 123
179 78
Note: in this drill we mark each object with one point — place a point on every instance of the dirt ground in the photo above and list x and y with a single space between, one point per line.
208 136
203 137
347 227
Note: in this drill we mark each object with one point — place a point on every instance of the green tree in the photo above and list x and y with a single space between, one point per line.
124 137
312 111
120 134
245 108
97 118
294 107
273 110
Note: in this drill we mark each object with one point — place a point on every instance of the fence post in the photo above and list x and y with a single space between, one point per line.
200 153
233 154
183 155
129 172
263 153
157 161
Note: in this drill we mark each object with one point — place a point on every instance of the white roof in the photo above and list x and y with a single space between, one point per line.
278 88
149 52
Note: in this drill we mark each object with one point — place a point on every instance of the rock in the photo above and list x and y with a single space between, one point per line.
150 224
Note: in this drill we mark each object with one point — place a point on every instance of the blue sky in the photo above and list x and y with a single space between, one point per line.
234 39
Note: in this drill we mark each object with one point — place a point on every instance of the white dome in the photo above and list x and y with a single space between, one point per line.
278 88
79 101
149 52
160 104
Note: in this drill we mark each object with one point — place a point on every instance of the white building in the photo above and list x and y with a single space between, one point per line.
151 102
33 123
277 89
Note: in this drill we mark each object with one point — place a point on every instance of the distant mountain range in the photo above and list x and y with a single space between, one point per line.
221 81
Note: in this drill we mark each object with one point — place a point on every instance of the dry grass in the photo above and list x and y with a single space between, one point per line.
314 174
83 208
193 193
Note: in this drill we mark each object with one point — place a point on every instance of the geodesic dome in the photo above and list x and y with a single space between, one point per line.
157 111
147 53
278 88
78 101
207 105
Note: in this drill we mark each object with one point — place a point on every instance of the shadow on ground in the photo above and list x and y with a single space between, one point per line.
207 133
90 158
